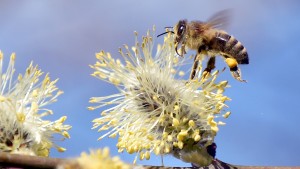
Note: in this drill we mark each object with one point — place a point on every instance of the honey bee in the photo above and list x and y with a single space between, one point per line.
208 40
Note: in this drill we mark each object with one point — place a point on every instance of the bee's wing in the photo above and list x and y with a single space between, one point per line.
220 19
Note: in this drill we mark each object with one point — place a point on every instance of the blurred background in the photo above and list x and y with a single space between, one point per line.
62 37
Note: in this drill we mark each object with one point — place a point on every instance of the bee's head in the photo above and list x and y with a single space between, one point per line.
180 32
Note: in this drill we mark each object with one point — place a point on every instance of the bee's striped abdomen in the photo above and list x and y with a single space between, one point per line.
228 46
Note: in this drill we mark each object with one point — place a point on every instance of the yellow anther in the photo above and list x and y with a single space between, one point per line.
147 155
191 123
221 123
181 73
176 107
175 122
197 138
180 144
170 138
114 135
66 134
21 117
142 155
2 98
226 115
34 107
34 93
61 149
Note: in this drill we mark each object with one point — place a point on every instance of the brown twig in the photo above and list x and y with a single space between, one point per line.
33 162
266 167
239 167
25 161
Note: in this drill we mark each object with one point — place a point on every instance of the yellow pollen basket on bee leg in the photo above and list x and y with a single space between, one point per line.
231 62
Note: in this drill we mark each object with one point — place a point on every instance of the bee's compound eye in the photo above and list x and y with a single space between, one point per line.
181 29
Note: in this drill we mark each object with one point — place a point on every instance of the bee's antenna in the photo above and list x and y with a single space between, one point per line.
164 33
169 27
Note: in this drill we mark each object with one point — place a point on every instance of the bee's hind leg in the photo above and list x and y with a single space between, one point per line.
210 66
235 71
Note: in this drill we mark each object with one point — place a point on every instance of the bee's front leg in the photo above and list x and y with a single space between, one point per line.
195 66
196 62
181 51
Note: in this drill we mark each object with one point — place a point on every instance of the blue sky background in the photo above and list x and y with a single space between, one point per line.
62 37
